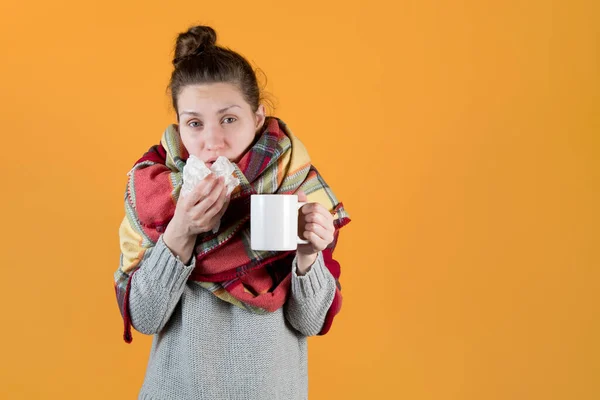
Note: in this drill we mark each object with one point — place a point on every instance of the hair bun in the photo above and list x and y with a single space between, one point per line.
196 40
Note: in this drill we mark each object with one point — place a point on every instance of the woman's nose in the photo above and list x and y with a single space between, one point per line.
214 139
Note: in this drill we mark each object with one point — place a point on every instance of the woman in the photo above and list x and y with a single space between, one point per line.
228 322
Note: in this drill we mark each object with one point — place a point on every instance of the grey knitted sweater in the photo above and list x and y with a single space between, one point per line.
205 348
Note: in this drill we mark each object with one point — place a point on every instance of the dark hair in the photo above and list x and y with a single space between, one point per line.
198 60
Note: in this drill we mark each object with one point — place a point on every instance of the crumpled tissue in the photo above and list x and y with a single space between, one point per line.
195 171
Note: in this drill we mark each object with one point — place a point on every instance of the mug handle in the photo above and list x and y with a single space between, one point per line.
301 241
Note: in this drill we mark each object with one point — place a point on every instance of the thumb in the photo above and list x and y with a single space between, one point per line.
302 196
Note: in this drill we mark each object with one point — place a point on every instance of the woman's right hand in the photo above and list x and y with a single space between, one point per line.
200 210
197 212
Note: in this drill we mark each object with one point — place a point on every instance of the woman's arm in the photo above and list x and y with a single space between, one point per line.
148 295
312 297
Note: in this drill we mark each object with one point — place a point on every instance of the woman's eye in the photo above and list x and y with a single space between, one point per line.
229 120
197 124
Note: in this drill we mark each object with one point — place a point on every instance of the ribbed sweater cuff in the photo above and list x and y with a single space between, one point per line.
166 269
310 284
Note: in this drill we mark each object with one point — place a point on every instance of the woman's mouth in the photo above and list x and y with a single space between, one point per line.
210 161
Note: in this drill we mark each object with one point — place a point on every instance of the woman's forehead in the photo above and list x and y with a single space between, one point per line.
214 95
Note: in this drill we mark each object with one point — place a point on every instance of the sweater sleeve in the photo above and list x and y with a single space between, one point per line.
148 295
311 298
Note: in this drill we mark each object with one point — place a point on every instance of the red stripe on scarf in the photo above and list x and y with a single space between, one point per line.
334 268
127 336
156 154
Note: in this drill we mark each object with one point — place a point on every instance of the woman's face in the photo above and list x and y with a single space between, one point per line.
215 120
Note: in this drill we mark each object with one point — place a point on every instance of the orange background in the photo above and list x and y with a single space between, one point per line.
463 137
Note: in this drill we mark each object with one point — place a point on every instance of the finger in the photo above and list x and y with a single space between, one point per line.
212 223
311 207
200 190
318 213
315 240
323 234
219 205
207 202
203 189
224 208
307 208
324 212
302 196
219 215
316 218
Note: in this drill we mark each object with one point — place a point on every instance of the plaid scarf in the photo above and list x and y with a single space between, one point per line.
258 281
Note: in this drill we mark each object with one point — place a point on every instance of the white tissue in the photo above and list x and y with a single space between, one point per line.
195 171
223 167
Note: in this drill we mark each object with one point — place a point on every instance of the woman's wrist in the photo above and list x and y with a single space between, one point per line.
304 262
181 245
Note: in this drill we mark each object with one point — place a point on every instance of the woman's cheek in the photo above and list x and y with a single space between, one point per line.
192 144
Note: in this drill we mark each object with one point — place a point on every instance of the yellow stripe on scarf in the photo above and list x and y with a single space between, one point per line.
131 246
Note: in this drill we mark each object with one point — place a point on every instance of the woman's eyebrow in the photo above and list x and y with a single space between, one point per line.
221 111
197 114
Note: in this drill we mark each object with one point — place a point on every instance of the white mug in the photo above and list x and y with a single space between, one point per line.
274 222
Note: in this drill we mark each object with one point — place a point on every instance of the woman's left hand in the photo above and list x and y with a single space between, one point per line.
315 224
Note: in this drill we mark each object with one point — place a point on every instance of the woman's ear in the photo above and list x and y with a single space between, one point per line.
260 117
